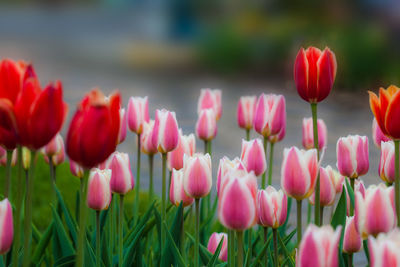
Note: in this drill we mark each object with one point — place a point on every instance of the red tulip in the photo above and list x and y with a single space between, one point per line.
94 129
314 73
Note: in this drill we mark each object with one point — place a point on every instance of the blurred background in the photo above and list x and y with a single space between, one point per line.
168 50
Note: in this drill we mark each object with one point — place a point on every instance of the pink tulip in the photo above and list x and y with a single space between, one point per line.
338 181
55 150
270 115
76 170
352 156
146 139
186 145
278 137
165 133
299 172
237 200
358 187
327 187
206 125
99 190
226 165
308 134
253 156
213 243
245 111
319 247
352 241
374 212
271 207
210 99
7 227
176 191
122 126
384 250
197 175
377 135
138 113
386 164
121 175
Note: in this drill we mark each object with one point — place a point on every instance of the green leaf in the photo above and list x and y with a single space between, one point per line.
285 251
282 229
72 225
205 255
90 258
62 237
351 192
339 217
366 251
261 252
177 255
214 258
43 243
130 251
144 219
167 258
65 261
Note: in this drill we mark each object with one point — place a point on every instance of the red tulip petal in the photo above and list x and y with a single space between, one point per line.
392 117
326 66
313 54
376 110
301 74
10 79
8 124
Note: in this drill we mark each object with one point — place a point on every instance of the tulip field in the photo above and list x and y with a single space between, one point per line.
233 218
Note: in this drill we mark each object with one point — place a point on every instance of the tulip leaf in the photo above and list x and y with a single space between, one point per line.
176 233
68 219
366 251
214 258
130 251
351 193
205 255
90 258
144 219
105 255
282 229
64 244
177 255
65 261
285 250
339 217
261 252
43 243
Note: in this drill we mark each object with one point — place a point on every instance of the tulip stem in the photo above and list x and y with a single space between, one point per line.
271 161
351 206
8 174
316 146
111 224
265 151
163 207
18 204
151 187
98 236
82 219
197 240
240 248
137 196
397 181
121 230
309 208
299 221
266 249
275 237
183 251
53 179
250 248
248 134
321 218
231 248
350 260
205 146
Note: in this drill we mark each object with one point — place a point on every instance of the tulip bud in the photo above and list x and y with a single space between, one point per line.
146 139
206 125
384 250
245 111
308 134
327 187
237 201
299 172
197 175
352 156
210 99
386 164
76 170
377 135
121 175
122 127
213 243
165 133
374 212
138 113
176 191
270 115
352 241
7 227
253 156
319 247
358 187
55 150
314 73
271 207
226 165
99 191
186 145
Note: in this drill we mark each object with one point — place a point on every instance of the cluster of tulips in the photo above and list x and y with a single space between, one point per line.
31 119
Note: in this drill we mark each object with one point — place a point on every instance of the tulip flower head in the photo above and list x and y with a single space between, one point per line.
177 192
197 175
384 250
165 133
314 73
299 172
226 165
75 169
386 109
271 207
386 164
55 151
352 241
99 190
213 243
319 247
358 187
210 99
327 187
270 115
206 125
94 129
253 156
122 127
377 135
138 113
186 145
308 134
7 227
121 175
245 111
146 139
352 156
338 181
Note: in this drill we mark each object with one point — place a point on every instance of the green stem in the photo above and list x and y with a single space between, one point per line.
18 204
151 187
240 248
231 248
197 237
249 246
352 187
163 194
137 196
7 185
275 237
271 162
183 251
350 260
316 146
397 180
248 134
53 179
98 238
28 214
209 148
121 230
309 208
321 218
266 249
264 174
205 146
299 221
112 225
82 219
